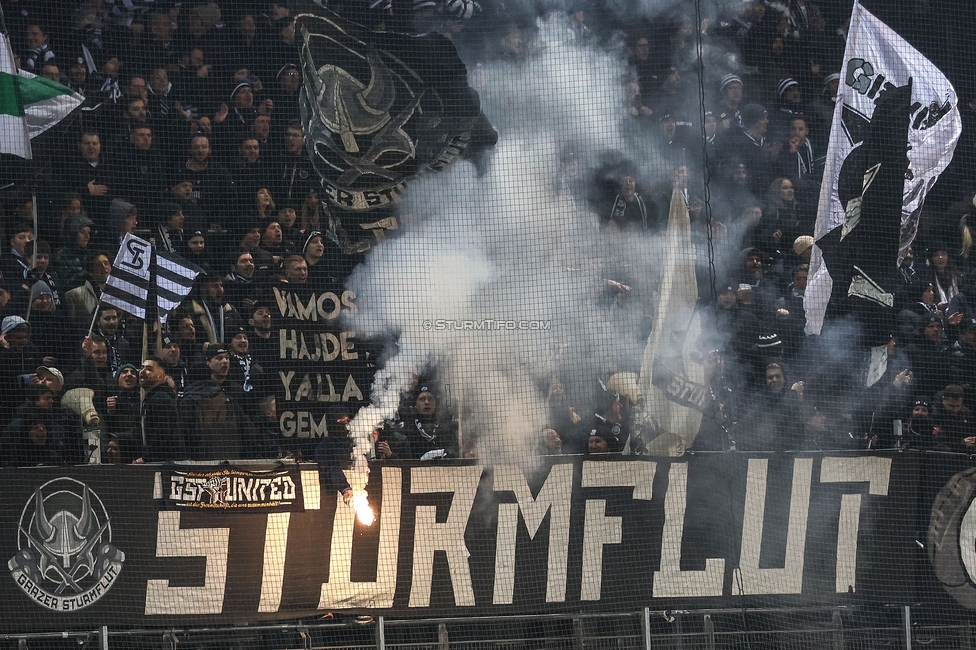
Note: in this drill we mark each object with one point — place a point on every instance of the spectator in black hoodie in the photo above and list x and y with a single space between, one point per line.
118 404
164 438
139 171
240 287
93 371
47 326
955 423
38 254
31 440
930 358
14 264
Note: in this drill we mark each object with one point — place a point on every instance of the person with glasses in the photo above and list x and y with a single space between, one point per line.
294 176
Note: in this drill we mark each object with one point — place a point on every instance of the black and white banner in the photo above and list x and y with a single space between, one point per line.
229 488
174 281
876 57
88 545
325 370
379 107
128 286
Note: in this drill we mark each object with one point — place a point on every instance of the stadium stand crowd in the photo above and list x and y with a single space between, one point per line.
191 133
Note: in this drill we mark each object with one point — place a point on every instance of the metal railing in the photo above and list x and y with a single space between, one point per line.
826 628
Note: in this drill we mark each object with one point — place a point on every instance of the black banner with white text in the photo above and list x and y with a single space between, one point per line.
324 372
456 538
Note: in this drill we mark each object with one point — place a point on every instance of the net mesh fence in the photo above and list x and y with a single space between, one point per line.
525 324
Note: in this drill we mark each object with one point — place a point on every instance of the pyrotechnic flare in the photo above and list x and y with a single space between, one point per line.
360 503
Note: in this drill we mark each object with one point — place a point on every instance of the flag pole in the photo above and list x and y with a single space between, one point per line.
36 231
19 99
30 303
91 326
142 390
150 305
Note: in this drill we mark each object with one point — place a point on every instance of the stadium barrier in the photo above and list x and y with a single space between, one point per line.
183 546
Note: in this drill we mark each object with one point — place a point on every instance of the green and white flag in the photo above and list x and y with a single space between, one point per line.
29 105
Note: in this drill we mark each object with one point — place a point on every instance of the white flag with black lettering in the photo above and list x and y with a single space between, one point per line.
876 57
128 285
174 281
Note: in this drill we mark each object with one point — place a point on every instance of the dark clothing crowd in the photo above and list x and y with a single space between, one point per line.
191 134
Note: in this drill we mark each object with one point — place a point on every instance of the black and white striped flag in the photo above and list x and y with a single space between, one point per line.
128 285
174 281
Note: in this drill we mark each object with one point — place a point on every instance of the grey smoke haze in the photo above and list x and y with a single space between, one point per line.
517 244
510 245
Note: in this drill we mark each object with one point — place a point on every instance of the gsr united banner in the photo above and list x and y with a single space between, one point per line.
131 546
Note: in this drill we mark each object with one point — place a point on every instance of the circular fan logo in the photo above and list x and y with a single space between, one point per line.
65 559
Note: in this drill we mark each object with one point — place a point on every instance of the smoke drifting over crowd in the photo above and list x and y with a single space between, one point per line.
516 243
520 235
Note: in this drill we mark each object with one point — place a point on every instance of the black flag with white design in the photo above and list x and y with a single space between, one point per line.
378 108
877 59
128 285
862 253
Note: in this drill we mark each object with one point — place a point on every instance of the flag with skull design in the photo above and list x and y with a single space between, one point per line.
378 108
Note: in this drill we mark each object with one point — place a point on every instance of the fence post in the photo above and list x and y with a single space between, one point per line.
838 635
709 629
442 639
578 630
907 619
103 637
381 633
647 628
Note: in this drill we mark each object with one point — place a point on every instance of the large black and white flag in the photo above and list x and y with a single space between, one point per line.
379 107
128 285
861 255
174 281
877 59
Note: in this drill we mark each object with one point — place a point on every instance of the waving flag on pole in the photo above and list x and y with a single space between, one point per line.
128 286
672 376
877 59
132 275
29 105
174 281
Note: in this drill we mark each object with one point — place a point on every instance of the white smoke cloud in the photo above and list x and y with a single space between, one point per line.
507 245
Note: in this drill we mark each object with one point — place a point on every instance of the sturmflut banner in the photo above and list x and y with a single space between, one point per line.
88 545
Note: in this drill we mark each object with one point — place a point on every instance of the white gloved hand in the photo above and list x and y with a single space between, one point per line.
434 454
